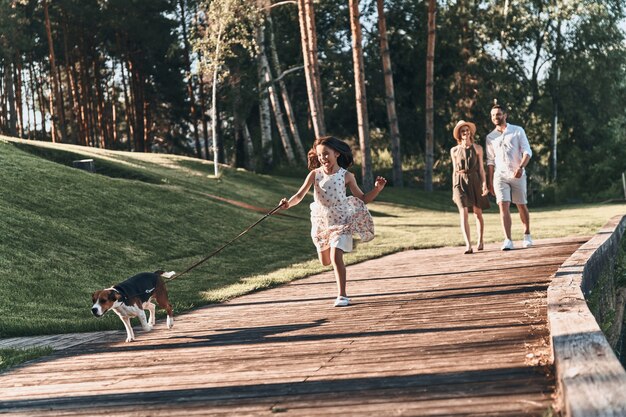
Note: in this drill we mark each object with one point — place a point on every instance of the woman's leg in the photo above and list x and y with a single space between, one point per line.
480 226
463 216
336 257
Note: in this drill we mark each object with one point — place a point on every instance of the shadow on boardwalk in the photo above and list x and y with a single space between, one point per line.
430 332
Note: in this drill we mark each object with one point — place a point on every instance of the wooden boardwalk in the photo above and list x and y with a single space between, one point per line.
430 332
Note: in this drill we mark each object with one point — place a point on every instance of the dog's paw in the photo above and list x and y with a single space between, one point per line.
129 339
170 322
147 328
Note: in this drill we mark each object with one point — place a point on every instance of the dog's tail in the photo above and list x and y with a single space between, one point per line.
169 274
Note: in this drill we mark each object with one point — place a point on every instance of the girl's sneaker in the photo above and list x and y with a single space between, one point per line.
342 301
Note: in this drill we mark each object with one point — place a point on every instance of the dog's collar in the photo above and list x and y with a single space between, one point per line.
118 290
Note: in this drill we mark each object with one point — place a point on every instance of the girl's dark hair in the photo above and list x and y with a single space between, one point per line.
345 158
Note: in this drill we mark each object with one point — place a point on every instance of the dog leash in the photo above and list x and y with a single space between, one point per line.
218 250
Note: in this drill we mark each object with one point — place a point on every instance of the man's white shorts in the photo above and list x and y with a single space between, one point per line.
510 189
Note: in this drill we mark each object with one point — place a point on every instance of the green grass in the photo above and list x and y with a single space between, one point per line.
66 233
13 357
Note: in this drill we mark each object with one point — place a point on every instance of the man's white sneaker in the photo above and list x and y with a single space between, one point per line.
528 242
507 245
342 301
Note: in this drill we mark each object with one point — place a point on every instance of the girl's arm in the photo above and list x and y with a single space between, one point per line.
297 197
356 191
481 169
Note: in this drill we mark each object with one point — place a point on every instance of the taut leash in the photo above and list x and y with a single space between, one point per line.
218 250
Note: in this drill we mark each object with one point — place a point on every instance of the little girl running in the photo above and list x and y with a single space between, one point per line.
335 217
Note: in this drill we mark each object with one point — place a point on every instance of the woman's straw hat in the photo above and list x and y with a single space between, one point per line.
458 127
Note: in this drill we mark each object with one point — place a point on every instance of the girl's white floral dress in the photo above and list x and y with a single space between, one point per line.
336 217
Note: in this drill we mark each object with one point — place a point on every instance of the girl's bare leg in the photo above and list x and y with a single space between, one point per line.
480 226
324 257
336 256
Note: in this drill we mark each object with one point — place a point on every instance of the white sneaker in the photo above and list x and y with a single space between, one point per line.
342 301
528 242
507 244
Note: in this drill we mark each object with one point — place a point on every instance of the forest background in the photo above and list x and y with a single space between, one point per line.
251 83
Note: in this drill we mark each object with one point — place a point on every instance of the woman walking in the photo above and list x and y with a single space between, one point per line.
469 184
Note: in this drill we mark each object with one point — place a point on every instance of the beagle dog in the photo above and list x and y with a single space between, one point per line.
130 298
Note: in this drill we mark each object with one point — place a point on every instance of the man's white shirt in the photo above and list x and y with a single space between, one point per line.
506 149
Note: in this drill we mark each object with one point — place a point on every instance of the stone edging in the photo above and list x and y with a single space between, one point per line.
591 380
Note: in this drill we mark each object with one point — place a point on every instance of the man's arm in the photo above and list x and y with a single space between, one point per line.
491 154
491 162
490 180
527 153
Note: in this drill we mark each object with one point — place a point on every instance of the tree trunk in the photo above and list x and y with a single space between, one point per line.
555 102
203 109
147 126
192 100
54 132
76 121
137 91
42 102
128 108
293 126
467 83
250 154
268 84
61 106
361 98
8 82
430 108
114 115
33 93
80 103
17 78
315 66
267 157
85 95
214 119
98 103
56 110
214 122
219 138
3 101
240 153
3 110
309 68
75 99
390 95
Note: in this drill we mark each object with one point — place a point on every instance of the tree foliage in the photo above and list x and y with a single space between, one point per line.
124 80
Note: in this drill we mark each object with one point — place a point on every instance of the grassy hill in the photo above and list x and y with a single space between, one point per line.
65 232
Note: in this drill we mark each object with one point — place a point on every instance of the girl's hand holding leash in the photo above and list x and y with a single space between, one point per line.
284 204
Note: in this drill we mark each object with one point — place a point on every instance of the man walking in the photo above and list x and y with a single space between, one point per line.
508 153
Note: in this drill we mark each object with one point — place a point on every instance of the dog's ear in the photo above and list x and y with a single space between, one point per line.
113 296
